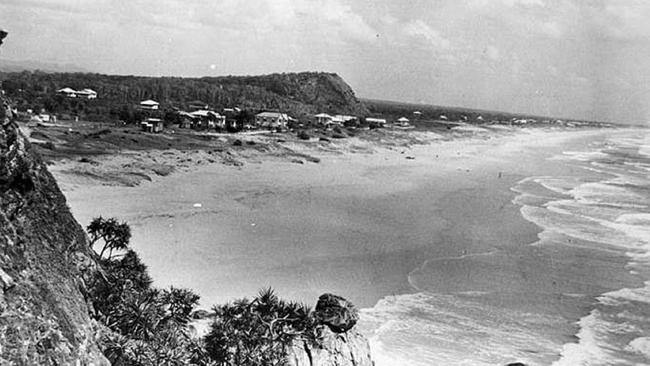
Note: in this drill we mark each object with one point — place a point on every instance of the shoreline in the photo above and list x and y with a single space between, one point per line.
349 174
336 191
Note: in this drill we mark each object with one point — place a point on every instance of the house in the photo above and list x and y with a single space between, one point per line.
376 121
205 119
68 92
87 93
272 119
152 125
403 121
232 110
44 117
323 119
71 93
443 117
417 113
185 119
341 119
149 104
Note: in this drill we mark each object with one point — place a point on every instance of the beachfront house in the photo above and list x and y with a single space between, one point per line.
341 119
150 105
323 119
403 121
154 125
87 94
84 93
205 119
272 119
68 92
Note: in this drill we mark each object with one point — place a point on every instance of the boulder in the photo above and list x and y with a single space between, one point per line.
334 349
336 312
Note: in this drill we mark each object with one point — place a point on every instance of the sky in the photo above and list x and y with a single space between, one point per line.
583 59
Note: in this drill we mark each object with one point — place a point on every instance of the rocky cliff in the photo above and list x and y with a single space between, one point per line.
339 344
43 315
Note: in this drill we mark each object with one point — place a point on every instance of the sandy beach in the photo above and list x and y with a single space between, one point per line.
352 224
368 221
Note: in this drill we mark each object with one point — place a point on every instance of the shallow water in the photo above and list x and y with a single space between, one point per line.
578 295
531 254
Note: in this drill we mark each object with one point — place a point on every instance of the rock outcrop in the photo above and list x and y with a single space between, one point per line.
339 344
43 315
337 313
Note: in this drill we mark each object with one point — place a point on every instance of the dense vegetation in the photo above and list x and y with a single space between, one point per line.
299 94
149 326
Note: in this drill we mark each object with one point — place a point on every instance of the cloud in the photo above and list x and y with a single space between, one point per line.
420 30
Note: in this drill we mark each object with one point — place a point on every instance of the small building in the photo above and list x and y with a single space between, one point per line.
205 119
84 93
323 119
68 92
443 117
341 119
402 121
87 93
45 117
149 104
272 119
417 113
154 125
234 110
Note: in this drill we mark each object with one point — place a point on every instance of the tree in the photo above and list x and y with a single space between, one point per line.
180 304
147 326
258 331
115 235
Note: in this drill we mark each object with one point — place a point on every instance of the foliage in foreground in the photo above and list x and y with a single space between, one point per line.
257 332
148 326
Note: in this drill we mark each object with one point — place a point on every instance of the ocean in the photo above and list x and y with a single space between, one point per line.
577 295
531 247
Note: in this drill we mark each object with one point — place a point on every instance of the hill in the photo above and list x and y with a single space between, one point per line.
299 94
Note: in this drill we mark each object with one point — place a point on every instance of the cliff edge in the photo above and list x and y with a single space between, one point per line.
43 315
339 344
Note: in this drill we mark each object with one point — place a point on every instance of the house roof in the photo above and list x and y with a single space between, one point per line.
149 102
323 115
66 90
403 119
204 113
273 115
380 120
89 91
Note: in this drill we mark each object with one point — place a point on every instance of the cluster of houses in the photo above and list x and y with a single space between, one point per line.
83 93
200 117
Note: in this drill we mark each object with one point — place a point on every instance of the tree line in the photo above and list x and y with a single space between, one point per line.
299 94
